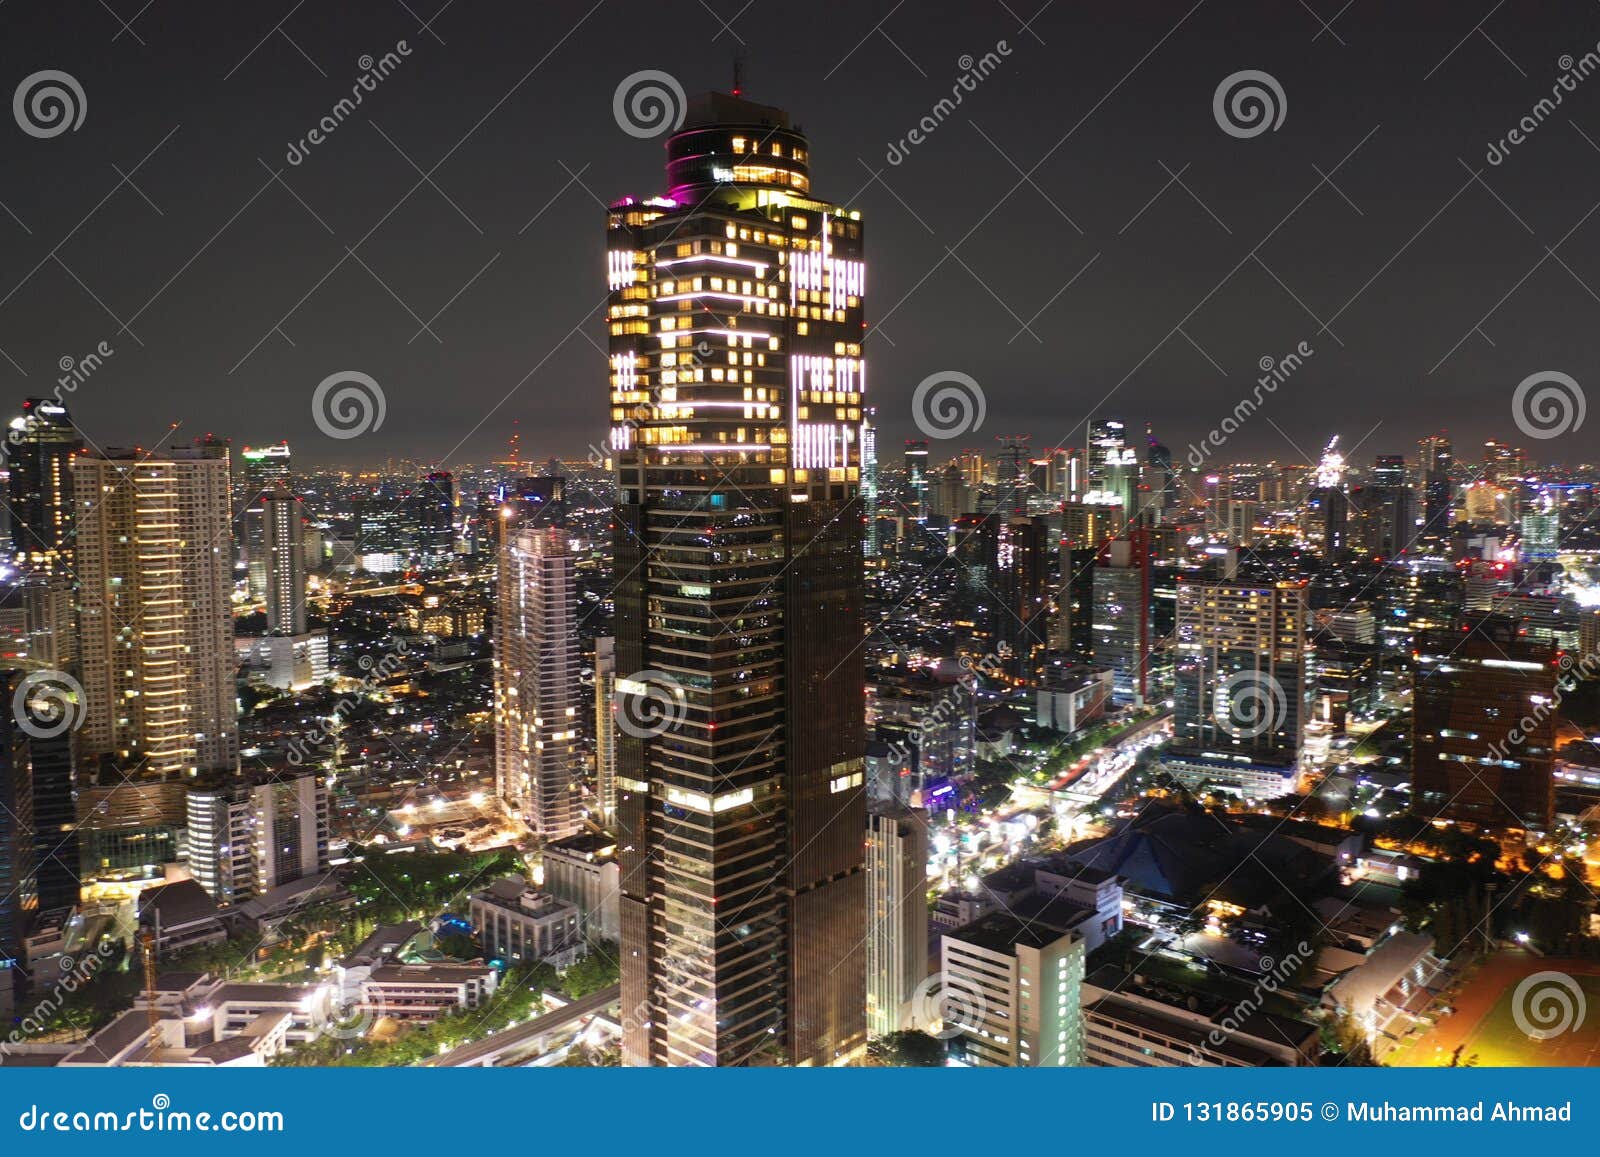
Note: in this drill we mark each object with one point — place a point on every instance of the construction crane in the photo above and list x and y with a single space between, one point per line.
147 949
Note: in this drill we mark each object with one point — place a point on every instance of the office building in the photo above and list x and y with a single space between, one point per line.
535 679
249 836
296 657
1010 993
1121 616
42 441
262 469
519 924
582 870
1241 697
897 915
605 730
1486 711
738 547
154 564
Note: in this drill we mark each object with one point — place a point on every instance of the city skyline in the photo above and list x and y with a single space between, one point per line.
1090 562
1373 177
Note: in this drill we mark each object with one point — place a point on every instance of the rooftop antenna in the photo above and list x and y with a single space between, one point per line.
738 72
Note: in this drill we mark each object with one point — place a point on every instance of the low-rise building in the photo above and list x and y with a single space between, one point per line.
516 922
422 992
1011 993
583 871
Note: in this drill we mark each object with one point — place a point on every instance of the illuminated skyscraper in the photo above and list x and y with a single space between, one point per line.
263 469
1113 467
1487 712
736 386
1241 699
605 728
869 481
154 560
897 918
44 442
535 681
1121 615
296 657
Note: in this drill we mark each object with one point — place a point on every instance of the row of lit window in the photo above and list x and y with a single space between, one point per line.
745 145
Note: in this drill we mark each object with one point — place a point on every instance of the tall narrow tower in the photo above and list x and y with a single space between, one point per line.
736 391
535 681
154 561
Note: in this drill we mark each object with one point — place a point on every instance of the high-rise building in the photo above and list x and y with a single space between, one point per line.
1486 706
43 443
154 562
605 729
436 508
296 657
1113 466
1121 616
535 680
1012 993
917 481
285 561
1018 551
263 469
738 552
869 482
1241 698
897 915
38 829
249 836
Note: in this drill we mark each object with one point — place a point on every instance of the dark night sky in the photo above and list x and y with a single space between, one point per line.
517 97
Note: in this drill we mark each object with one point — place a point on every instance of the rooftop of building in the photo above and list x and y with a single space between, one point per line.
1003 932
